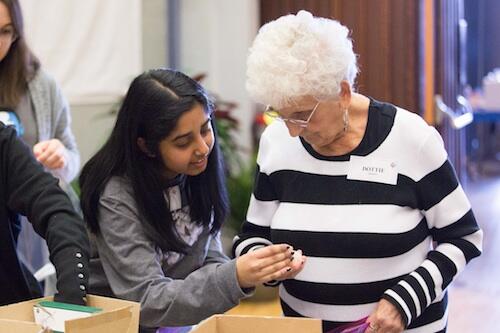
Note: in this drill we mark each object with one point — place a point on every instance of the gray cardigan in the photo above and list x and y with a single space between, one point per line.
53 120
126 264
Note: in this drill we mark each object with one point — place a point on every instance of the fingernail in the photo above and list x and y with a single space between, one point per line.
291 258
289 269
288 247
293 252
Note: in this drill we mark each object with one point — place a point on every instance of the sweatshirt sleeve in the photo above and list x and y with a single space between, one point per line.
255 230
451 223
64 133
36 194
134 270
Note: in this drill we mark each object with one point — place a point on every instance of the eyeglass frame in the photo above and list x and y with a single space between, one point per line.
274 114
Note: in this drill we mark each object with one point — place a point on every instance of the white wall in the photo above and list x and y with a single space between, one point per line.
215 37
92 123
93 48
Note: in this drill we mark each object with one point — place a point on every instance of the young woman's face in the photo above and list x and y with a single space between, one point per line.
7 33
186 149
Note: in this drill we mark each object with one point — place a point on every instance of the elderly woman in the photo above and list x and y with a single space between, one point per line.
363 187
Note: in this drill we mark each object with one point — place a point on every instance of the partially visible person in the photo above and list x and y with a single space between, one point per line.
32 97
154 199
25 188
36 98
363 187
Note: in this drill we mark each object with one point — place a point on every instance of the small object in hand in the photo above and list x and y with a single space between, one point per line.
297 257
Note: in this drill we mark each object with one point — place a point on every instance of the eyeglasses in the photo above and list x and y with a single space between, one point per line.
274 114
8 35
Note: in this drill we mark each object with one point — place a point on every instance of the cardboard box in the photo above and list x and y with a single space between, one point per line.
257 324
118 316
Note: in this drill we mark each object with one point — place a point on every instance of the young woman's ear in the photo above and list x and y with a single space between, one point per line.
142 146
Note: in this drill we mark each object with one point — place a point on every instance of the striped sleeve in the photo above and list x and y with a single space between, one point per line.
453 227
256 231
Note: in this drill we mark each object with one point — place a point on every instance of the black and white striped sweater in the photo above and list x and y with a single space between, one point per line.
365 238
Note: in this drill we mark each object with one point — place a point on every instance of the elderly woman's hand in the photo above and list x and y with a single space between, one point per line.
385 319
51 153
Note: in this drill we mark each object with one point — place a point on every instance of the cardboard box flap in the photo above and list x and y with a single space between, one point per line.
109 304
8 325
252 324
110 321
118 316
22 311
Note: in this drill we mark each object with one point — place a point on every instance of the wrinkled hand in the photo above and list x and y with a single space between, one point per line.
263 265
51 153
385 319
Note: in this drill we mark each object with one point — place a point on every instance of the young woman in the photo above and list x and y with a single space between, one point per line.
154 199
32 98
36 98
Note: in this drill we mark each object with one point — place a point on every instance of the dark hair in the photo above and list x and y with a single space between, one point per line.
154 103
19 65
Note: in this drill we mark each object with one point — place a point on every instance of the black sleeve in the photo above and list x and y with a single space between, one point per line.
36 194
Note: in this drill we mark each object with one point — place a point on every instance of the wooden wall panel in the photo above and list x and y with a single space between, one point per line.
386 39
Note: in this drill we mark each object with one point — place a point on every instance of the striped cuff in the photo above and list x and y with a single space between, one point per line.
272 283
412 295
249 244
400 305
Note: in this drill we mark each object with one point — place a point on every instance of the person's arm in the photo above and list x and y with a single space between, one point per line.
35 193
134 271
452 226
65 135
255 231
215 254
62 146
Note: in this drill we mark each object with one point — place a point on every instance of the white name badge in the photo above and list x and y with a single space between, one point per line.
372 170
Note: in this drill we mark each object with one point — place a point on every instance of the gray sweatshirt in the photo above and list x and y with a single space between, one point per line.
174 290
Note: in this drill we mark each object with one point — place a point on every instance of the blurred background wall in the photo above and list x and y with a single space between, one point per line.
197 37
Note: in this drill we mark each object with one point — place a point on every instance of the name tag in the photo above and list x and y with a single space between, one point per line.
372 170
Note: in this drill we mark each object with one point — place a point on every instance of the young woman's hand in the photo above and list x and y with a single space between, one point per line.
268 263
51 153
297 264
385 319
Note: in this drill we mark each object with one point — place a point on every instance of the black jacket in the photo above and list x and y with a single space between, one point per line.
25 188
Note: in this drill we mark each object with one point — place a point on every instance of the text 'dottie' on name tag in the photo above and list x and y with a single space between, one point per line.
372 170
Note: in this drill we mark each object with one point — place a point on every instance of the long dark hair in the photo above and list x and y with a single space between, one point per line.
154 103
19 65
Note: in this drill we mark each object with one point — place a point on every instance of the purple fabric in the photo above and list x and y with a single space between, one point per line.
182 329
359 326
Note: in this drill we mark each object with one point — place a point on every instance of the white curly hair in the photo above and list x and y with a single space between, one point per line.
299 55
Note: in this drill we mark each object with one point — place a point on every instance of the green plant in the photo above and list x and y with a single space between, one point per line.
239 187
